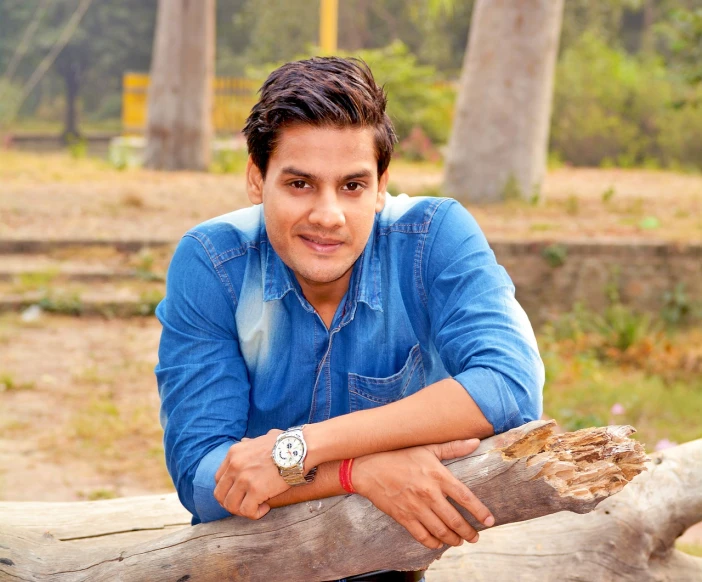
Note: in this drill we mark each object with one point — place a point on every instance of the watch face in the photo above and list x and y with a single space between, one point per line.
288 452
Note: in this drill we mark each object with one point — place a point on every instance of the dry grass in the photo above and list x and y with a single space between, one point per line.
90 423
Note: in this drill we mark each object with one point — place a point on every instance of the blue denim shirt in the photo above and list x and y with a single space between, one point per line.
242 351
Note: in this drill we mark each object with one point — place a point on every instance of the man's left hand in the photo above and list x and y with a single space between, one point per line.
248 477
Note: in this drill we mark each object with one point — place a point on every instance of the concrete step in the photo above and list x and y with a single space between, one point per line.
46 246
37 268
111 299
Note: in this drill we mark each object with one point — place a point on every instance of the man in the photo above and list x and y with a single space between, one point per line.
382 324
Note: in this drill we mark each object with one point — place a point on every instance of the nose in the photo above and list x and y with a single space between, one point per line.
327 211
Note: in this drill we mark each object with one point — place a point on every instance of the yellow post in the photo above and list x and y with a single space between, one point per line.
328 25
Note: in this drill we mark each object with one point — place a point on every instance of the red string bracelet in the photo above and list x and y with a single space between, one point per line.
345 475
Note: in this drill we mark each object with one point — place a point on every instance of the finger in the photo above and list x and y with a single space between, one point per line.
455 449
233 499
449 515
437 528
421 534
465 497
251 509
222 488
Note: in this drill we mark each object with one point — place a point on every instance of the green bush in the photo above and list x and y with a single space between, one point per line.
613 109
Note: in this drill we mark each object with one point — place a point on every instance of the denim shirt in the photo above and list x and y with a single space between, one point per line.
242 351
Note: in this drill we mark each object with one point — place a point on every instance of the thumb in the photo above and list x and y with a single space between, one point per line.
456 449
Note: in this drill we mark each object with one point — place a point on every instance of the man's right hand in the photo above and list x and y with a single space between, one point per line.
411 486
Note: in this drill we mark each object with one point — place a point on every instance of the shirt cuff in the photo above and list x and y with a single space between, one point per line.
493 396
206 506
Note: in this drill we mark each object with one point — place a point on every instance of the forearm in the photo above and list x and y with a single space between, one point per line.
439 413
325 484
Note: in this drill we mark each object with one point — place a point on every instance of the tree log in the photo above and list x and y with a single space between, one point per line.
522 474
629 537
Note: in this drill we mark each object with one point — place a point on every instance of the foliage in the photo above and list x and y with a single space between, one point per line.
555 255
655 383
611 108
684 32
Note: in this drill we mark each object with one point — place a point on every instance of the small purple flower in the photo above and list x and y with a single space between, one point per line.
617 409
664 444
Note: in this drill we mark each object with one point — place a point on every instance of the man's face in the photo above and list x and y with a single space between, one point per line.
320 197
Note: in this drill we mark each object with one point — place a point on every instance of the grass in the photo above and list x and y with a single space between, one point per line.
651 373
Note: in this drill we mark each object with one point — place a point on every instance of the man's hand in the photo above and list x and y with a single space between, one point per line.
248 477
411 486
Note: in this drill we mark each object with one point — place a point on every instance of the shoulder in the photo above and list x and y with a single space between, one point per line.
420 214
230 235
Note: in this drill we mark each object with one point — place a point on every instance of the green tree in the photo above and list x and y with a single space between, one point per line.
112 37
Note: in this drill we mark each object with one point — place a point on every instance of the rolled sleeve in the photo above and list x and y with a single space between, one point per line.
482 334
206 506
202 377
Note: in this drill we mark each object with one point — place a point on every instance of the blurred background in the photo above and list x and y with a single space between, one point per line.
591 152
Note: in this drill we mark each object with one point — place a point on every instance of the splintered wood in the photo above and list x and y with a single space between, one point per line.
591 463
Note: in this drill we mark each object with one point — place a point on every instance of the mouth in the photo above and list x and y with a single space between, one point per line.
321 244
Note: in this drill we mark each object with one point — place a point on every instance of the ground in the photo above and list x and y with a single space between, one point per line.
55 196
78 398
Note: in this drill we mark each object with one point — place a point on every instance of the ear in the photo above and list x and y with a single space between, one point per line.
254 182
382 186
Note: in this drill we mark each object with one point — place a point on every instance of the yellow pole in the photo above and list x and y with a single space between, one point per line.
328 25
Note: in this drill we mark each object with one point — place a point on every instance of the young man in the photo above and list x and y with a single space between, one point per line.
365 326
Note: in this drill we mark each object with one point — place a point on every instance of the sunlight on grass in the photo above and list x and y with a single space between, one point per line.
51 167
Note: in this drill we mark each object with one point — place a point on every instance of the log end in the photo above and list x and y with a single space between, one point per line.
588 465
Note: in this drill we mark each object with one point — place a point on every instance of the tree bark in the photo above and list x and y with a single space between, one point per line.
525 473
628 538
498 146
179 124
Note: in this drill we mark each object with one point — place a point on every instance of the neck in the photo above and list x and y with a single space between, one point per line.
325 297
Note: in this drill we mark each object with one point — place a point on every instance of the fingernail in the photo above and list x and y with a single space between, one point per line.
490 521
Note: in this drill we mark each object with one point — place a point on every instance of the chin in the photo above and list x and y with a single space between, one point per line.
324 275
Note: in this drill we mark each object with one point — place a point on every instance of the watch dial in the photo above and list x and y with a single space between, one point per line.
288 452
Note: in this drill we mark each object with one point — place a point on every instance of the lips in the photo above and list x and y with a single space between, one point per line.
321 244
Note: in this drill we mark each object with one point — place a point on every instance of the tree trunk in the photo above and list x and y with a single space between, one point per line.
522 474
71 77
179 125
629 537
498 146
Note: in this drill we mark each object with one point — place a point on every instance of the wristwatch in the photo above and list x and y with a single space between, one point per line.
289 452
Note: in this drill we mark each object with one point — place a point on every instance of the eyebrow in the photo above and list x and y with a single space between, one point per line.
297 172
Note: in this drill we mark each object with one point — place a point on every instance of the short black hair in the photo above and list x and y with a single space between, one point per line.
322 91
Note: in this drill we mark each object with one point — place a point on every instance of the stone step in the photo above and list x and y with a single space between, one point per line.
112 299
46 246
24 268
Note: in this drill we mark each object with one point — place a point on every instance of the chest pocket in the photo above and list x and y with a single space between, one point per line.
366 392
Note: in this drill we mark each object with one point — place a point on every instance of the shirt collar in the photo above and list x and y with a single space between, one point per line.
364 286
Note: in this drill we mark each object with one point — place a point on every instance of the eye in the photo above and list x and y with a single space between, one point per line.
298 184
353 186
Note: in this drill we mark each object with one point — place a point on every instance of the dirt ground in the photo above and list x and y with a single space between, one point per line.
79 409
54 196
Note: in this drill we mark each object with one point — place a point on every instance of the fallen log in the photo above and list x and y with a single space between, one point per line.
628 537
522 474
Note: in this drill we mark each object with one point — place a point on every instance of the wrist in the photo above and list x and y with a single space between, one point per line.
360 475
318 448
